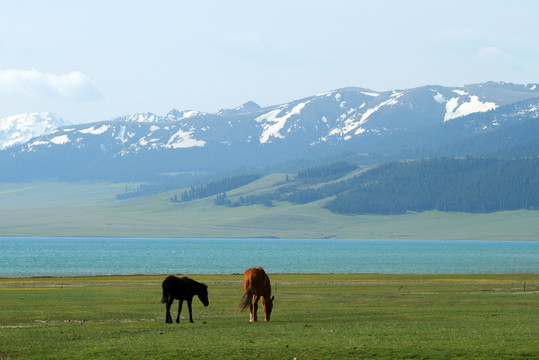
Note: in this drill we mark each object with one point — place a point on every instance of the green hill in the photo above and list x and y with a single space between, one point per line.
92 209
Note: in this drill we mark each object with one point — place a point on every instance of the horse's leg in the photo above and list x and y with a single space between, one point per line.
180 306
255 308
264 308
189 301
168 317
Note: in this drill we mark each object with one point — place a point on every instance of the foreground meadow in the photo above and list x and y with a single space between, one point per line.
326 316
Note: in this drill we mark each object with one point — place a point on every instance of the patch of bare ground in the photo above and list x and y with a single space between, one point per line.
46 322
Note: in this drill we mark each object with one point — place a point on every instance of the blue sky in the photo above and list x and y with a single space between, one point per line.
95 60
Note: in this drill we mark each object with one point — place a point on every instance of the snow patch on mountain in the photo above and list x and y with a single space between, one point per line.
189 114
178 115
460 92
183 139
454 110
272 124
370 93
60 140
92 130
325 94
439 98
148 117
18 129
140 117
350 124
391 101
121 135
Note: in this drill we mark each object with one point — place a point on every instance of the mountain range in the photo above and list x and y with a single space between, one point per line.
362 125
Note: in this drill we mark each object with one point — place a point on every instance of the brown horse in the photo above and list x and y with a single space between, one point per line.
182 289
257 285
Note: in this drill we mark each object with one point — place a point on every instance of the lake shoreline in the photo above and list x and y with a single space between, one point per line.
84 256
257 238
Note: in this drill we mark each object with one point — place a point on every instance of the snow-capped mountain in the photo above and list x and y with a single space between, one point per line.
18 129
350 119
174 115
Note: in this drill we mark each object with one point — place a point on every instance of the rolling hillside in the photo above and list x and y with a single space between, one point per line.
91 209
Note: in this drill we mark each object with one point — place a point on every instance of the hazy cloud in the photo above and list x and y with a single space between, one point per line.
74 86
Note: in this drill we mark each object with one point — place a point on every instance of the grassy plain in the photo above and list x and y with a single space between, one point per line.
91 209
327 316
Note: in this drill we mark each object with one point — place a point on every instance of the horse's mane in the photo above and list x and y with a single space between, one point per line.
201 286
195 284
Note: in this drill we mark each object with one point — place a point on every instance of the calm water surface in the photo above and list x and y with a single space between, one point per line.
114 256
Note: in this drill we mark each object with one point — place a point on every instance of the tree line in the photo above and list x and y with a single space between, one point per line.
474 185
297 191
469 184
215 187
265 199
334 170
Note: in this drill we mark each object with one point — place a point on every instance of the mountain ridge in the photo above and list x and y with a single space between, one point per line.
349 119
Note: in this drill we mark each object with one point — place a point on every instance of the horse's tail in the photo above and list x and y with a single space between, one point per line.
245 300
165 293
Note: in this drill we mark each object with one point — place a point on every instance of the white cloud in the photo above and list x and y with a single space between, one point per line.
74 86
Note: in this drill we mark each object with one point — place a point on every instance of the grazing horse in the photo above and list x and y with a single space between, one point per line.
182 289
257 285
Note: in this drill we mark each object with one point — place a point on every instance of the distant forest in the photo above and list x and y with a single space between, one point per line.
215 187
303 189
472 185
194 192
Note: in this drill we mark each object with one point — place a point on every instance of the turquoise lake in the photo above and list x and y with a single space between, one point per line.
114 256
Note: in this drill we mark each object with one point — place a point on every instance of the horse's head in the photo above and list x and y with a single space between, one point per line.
203 294
268 306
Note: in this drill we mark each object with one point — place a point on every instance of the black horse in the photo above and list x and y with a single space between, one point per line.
182 289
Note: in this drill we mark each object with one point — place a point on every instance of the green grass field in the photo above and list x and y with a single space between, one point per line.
90 209
315 317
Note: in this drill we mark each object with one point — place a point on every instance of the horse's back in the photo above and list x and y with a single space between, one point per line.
179 288
169 279
255 280
172 280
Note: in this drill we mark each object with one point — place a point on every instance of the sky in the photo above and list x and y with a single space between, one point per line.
89 61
